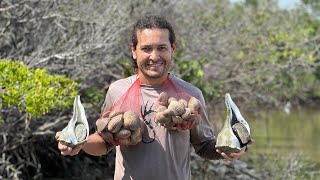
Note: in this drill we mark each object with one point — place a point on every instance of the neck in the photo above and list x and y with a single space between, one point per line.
152 81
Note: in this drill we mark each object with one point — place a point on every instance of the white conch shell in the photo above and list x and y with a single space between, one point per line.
77 130
236 131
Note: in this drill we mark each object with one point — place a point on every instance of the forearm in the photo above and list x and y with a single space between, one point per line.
96 146
207 150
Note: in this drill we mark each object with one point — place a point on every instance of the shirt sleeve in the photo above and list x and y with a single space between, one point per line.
116 90
108 102
202 136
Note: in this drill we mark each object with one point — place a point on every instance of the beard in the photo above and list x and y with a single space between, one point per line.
153 72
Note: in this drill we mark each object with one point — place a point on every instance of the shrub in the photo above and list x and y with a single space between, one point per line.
33 90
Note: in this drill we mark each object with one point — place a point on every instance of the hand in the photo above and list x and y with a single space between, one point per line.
188 124
65 150
235 156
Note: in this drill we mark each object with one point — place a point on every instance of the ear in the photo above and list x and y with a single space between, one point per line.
134 52
174 46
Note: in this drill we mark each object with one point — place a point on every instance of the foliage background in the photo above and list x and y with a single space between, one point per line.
263 55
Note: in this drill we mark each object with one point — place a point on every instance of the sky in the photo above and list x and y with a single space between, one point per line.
284 4
288 4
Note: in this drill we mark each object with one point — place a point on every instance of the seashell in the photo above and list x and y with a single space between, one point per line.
123 133
106 114
194 105
165 116
242 133
136 136
124 141
163 99
177 119
102 124
168 113
187 114
131 120
161 118
177 107
106 135
171 99
183 102
235 133
77 130
161 108
115 112
115 123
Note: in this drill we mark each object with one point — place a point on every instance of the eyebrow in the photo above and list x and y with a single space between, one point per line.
148 45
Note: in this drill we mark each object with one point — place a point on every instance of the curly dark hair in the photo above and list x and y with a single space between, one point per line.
150 22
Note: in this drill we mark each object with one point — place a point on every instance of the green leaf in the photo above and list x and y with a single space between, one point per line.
33 90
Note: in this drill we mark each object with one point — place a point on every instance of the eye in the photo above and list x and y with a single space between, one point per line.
146 49
162 48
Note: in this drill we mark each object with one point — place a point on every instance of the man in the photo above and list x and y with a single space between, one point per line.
162 153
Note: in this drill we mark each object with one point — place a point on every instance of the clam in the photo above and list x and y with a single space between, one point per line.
77 130
235 133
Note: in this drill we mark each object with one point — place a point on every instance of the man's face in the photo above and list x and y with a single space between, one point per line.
153 54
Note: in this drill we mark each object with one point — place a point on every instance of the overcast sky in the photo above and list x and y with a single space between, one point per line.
288 3
285 4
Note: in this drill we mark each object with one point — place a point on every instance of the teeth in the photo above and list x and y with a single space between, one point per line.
155 64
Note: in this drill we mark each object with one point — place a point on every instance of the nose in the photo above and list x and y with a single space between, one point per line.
154 55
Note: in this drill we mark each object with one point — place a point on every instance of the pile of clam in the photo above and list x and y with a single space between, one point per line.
123 127
172 111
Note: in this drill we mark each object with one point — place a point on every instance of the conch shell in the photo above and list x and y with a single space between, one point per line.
77 130
235 133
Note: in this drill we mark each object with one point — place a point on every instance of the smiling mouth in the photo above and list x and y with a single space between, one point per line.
155 64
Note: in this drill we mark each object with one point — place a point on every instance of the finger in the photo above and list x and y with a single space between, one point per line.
252 141
66 151
224 155
57 134
234 156
231 157
72 151
62 147
237 155
63 153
